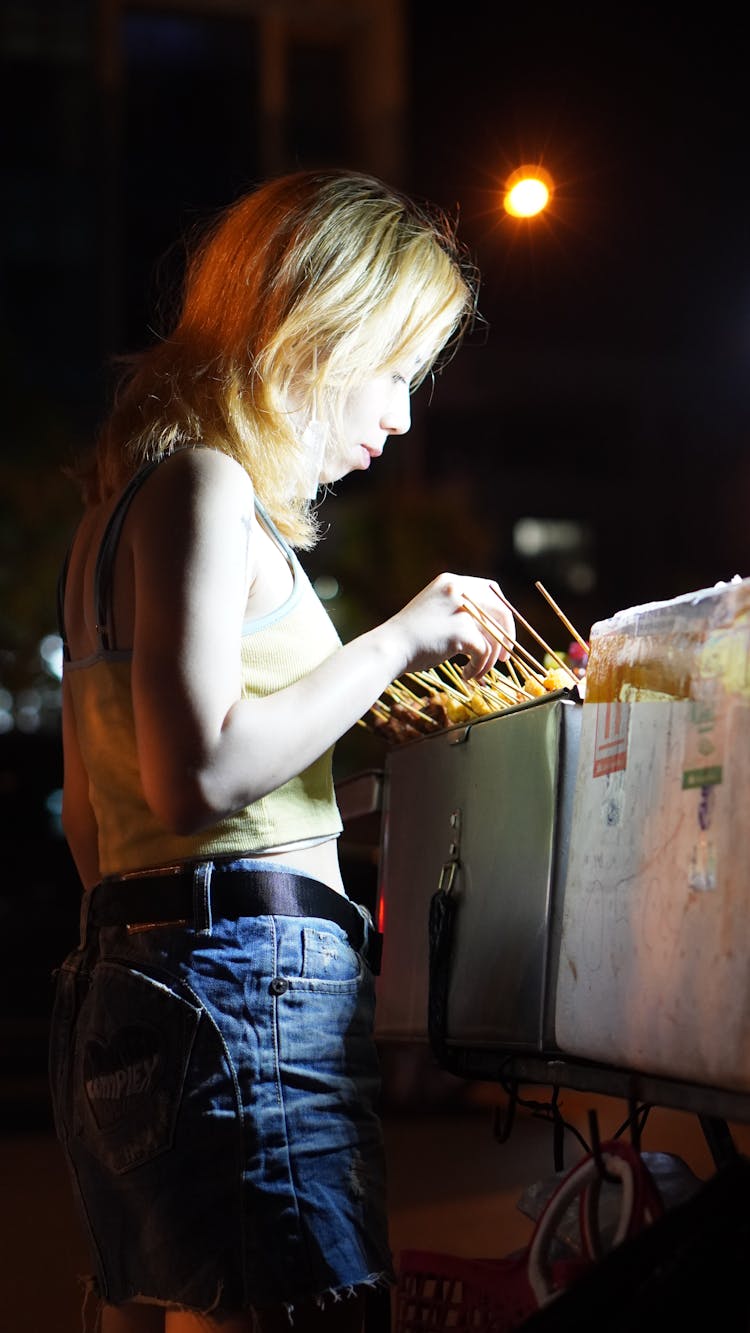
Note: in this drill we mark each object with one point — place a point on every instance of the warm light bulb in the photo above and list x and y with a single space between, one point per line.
527 191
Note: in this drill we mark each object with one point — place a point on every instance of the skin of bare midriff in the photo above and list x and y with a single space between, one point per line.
320 861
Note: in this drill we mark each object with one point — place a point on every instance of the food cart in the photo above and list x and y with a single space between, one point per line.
564 894
564 885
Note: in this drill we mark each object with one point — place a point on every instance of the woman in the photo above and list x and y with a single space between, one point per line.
212 1061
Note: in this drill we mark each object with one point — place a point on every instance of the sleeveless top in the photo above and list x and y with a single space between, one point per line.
276 650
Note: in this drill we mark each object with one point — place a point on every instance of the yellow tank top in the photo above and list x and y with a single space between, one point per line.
276 651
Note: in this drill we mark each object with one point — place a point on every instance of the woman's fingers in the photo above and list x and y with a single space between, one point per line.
485 603
458 614
481 649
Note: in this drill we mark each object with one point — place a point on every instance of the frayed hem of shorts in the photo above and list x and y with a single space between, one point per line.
331 1296
92 1293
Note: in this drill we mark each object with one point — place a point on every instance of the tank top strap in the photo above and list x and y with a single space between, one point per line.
104 565
105 558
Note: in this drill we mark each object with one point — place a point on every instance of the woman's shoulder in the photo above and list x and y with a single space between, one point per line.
194 496
197 479
203 464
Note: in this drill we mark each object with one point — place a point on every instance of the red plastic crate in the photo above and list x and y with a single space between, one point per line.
444 1291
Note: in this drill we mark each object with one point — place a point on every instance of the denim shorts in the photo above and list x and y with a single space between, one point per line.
215 1092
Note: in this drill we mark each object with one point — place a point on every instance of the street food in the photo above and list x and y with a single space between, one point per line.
426 702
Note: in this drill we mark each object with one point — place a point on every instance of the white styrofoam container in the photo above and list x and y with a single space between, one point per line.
654 968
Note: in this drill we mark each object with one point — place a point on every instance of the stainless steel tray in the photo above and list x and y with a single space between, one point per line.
487 806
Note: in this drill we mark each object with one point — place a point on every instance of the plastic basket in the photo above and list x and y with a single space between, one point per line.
444 1291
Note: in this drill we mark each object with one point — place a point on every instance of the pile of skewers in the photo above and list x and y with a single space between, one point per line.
424 702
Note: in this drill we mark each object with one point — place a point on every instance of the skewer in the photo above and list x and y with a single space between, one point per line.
497 680
532 668
435 682
409 701
579 640
424 717
496 688
455 675
504 639
380 708
538 637
402 693
509 693
512 672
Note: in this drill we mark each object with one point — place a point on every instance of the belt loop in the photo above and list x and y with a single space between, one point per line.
202 897
83 919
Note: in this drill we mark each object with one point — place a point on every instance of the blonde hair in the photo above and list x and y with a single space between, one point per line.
300 290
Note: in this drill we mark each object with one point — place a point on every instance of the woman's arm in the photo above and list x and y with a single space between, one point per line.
204 750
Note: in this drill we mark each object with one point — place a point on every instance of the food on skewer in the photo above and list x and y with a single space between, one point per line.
428 701
535 687
402 715
556 679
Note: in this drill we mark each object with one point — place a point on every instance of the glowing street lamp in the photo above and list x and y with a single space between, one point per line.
528 190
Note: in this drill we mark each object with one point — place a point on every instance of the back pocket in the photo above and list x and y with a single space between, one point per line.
134 1039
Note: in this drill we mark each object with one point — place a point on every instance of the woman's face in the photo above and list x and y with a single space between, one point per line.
379 407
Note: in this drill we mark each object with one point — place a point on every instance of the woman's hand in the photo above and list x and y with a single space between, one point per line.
438 623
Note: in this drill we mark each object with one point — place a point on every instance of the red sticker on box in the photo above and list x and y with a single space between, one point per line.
611 738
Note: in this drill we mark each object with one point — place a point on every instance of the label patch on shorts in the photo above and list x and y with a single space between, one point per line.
122 1072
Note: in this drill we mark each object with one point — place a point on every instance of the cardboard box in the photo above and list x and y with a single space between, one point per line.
654 968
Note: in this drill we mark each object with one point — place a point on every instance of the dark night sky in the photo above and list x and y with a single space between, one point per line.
609 384
616 354
640 112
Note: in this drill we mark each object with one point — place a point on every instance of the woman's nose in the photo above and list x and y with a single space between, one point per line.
396 419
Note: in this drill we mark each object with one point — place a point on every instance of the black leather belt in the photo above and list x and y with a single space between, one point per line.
141 901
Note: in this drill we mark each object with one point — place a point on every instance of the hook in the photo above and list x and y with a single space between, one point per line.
505 1116
596 1151
558 1132
637 1116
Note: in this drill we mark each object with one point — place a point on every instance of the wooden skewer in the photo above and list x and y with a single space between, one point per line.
455 675
504 638
436 682
402 693
409 701
564 618
496 687
512 672
496 630
529 668
424 717
509 680
508 692
498 680
466 696
379 707
517 615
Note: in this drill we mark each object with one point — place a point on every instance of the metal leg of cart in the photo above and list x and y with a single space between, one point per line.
719 1139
